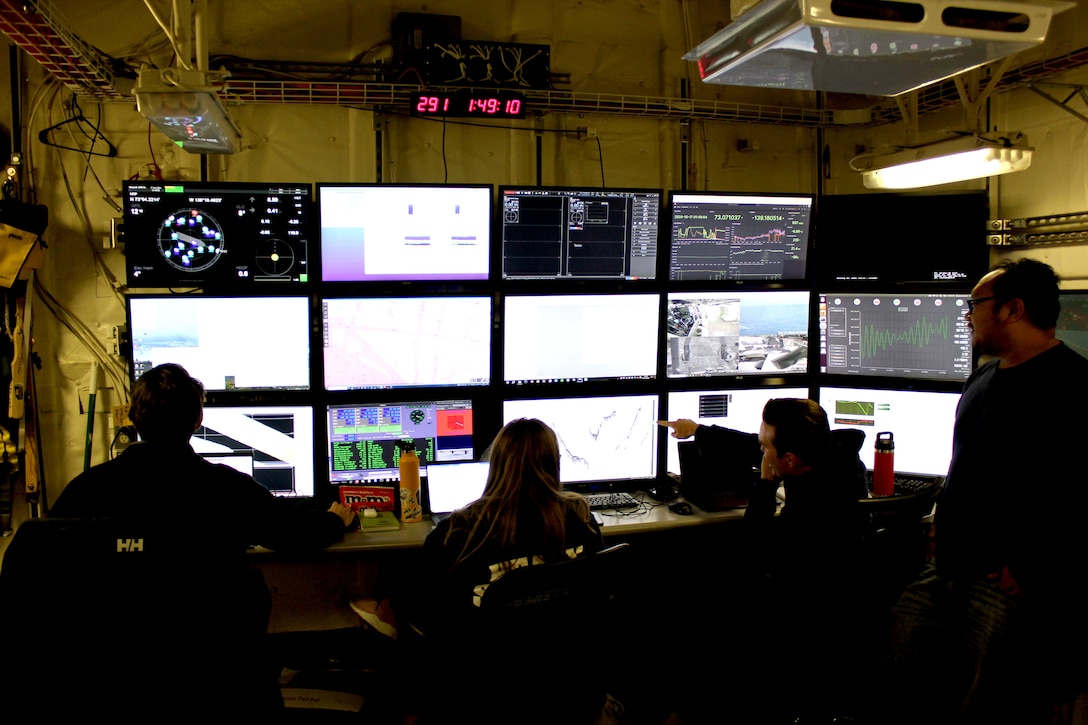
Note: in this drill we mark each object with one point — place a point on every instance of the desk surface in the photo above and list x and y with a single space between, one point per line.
650 516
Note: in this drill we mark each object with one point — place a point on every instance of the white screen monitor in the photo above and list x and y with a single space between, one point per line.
577 338
601 439
274 444
715 333
227 343
454 485
397 233
737 409
406 342
921 423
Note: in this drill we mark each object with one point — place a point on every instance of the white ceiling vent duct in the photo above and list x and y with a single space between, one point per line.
872 47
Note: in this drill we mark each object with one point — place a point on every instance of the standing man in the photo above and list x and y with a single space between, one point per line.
992 630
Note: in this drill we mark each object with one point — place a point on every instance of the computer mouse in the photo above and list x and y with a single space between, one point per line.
682 508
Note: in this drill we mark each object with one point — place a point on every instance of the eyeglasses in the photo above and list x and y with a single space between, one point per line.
974 301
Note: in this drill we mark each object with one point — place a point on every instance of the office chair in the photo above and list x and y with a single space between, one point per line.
530 655
118 619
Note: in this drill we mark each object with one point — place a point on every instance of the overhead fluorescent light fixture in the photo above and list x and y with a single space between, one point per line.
945 162
872 47
184 106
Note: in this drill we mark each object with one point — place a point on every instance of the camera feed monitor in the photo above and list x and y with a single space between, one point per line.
920 336
567 233
604 439
736 333
406 342
394 233
223 236
718 236
921 424
274 444
363 436
228 343
578 338
737 409
1072 326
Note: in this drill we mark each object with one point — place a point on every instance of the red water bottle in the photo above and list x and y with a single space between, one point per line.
884 465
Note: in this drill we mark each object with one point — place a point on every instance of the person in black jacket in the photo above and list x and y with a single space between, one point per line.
197 519
801 561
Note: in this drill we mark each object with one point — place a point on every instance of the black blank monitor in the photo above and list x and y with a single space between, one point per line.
398 232
574 233
221 236
922 336
228 343
718 236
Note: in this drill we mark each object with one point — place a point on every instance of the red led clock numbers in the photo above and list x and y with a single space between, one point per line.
468 104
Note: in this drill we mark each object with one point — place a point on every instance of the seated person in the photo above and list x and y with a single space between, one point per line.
201 518
802 561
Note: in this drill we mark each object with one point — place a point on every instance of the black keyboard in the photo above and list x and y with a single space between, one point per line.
907 483
614 500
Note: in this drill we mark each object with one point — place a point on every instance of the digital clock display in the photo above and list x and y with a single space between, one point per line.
468 103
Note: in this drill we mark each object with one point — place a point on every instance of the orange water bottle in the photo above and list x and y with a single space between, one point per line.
884 465
411 510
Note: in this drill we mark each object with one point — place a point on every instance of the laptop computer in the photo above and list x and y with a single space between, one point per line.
450 486
720 482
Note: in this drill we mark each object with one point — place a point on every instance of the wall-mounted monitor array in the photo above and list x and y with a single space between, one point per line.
736 333
230 237
461 299
578 233
397 233
363 437
901 335
754 237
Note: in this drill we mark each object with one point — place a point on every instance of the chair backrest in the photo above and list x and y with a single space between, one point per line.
119 618
583 587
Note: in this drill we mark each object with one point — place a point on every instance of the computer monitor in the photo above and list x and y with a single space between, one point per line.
579 338
1073 320
232 237
406 342
922 336
228 343
740 409
910 239
274 444
715 333
579 233
734 236
404 232
921 423
362 437
602 440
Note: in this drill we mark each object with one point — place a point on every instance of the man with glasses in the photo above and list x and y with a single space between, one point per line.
985 632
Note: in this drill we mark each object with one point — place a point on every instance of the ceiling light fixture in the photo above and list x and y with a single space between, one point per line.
945 162
183 105
873 47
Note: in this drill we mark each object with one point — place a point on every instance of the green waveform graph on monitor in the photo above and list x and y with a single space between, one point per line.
855 407
927 343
